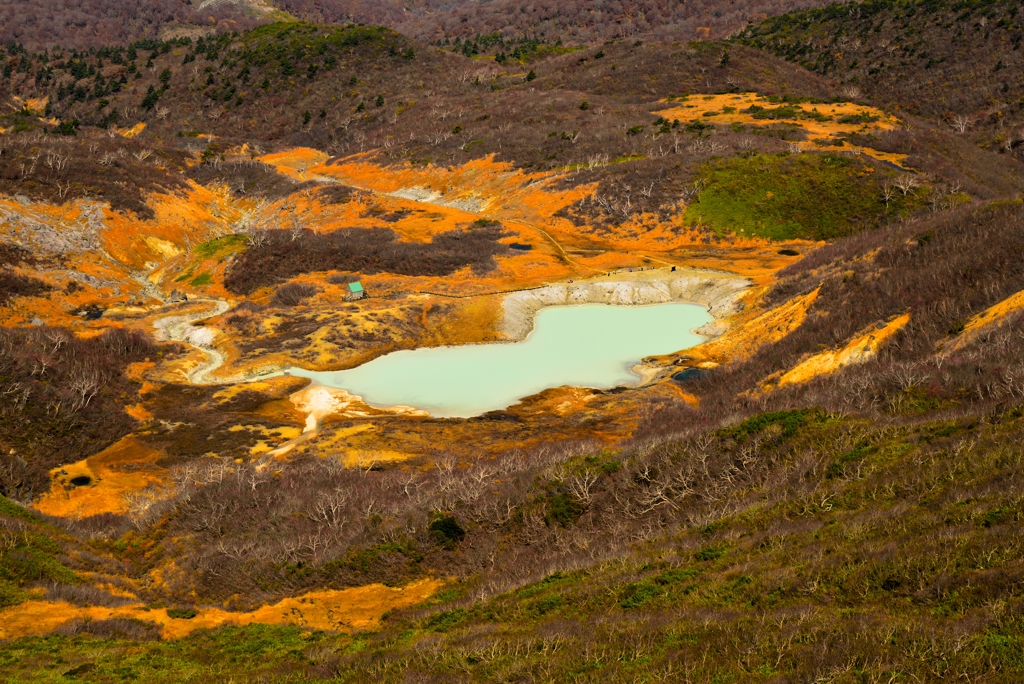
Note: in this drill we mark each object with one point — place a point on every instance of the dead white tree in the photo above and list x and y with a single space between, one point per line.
581 487
907 183
329 509
888 193
961 123
596 160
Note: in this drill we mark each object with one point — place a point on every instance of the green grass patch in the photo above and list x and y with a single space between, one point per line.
185 276
299 38
552 581
788 421
838 467
202 279
13 510
710 553
563 510
660 587
222 246
445 620
782 197
28 557
250 653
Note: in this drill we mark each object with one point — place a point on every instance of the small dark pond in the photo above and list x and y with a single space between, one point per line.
691 374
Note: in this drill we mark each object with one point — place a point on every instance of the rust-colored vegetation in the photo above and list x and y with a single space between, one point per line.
181 220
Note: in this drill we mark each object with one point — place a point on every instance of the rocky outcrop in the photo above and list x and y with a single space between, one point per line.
718 292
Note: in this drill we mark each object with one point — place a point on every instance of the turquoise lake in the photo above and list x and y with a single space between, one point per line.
592 345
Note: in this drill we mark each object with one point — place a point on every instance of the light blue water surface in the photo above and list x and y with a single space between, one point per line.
592 345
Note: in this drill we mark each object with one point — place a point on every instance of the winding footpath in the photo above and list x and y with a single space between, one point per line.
180 329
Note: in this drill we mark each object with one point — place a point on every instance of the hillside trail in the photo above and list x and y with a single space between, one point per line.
180 328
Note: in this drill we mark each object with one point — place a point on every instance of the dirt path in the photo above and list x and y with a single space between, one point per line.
180 329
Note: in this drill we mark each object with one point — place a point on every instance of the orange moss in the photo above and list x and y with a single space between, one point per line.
131 132
192 217
122 468
858 350
294 162
994 315
429 200
690 399
139 413
696 107
345 610
746 337
35 105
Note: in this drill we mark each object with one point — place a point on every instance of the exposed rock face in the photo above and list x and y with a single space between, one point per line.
719 293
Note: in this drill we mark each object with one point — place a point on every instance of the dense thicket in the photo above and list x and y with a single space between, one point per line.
589 21
941 271
64 168
101 22
285 254
85 24
943 59
63 399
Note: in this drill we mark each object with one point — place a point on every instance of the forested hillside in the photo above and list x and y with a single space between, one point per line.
104 22
957 63
86 24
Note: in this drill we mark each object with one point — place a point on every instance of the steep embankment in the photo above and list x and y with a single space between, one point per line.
719 292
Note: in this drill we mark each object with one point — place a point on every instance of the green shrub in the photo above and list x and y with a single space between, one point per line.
710 553
790 421
563 509
445 620
447 531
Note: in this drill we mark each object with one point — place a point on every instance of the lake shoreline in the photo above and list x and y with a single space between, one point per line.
568 346
719 293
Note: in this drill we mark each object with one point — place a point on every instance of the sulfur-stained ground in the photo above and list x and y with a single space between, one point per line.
139 271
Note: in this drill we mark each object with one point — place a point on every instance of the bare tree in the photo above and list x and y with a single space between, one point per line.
907 183
581 487
961 123
850 92
888 193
